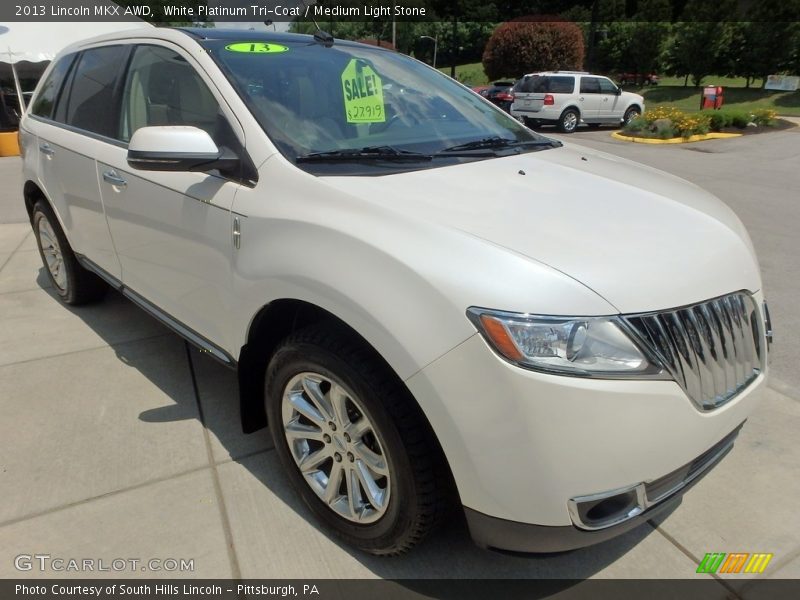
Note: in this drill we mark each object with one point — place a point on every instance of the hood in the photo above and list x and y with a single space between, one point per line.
637 97
640 238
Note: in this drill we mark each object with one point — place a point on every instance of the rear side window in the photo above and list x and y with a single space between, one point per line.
546 84
163 89
590 85
46 99
561 85
91 100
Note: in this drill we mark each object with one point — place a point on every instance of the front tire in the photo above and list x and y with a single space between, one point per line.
353 442
73 284
568 122
632 113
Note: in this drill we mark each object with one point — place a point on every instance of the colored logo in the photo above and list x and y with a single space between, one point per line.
734 562
255 48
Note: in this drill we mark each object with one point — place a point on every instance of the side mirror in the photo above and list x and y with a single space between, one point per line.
618 91
177 148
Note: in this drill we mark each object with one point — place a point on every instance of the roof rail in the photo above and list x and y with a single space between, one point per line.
573 72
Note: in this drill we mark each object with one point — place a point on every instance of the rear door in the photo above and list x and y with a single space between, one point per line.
590 99
71 134
172 230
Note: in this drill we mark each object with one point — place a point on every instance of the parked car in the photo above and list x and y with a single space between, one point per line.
557 362
638 79
499 93
568 98
480 89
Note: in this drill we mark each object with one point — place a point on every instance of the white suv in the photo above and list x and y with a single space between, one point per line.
568 98
562 359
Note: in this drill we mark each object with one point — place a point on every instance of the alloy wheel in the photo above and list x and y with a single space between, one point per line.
336 447
52 253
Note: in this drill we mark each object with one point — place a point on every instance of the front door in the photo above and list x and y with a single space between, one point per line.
589 99
610 106
172 230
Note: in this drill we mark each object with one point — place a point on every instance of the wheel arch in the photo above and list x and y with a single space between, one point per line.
268 328
32 193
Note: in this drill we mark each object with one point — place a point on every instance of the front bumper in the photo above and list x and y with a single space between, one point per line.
521 444
659 498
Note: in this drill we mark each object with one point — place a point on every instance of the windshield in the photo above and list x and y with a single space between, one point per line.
310 100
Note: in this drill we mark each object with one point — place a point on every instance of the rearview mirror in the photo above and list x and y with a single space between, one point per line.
177 148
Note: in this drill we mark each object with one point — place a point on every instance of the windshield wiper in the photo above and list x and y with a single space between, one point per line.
491 143
366 153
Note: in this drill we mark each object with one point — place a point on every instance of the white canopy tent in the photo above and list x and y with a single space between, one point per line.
26 48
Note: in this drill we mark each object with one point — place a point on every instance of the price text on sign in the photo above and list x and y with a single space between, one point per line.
363 93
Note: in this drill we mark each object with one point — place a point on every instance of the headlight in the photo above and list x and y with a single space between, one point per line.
585 346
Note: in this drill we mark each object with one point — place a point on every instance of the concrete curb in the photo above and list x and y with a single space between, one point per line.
694 138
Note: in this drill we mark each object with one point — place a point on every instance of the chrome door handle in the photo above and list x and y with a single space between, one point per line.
114 179
46 149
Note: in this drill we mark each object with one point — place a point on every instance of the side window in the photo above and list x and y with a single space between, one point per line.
163 89
561 85
606 87
590 85
91 98
46 98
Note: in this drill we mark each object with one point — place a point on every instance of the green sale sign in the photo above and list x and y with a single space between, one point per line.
363 93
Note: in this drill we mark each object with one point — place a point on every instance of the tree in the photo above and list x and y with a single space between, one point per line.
455 11
764 43
522 46
697 46
635 46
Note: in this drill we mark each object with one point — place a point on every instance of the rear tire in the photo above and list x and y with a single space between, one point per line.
530 123
568 122
337 409
73 284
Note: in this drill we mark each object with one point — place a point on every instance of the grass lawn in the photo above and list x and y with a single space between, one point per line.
671 92
688 98
471 74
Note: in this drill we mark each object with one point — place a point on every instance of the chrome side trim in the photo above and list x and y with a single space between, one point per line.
90 265
182 330
169 321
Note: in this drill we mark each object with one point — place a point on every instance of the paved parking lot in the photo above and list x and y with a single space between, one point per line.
119 441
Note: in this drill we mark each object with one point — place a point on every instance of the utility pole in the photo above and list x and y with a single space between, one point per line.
435 41
454 51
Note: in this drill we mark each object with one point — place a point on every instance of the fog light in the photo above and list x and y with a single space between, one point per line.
599 511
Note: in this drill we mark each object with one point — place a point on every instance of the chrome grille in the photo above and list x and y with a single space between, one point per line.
713 349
